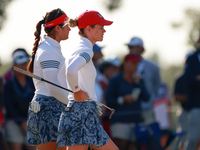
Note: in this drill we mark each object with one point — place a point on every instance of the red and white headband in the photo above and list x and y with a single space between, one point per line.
62 19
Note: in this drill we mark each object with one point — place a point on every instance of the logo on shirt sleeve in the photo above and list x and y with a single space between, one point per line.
76 87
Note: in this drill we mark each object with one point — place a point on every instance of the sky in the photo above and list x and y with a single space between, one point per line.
148 19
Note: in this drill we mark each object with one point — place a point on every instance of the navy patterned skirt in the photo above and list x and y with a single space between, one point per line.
42 127
81 127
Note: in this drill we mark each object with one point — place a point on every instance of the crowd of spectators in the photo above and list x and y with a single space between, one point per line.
131 85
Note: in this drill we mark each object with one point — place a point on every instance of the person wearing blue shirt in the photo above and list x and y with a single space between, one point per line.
120 95
18 93
150 74
181 96
192 72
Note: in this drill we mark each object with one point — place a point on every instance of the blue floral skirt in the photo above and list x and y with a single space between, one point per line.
42 127
81 127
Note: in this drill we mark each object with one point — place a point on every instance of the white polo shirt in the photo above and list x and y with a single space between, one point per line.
48 58
85 72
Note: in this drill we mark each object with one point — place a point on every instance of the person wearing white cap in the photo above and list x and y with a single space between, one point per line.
9 74
148 71
49 101
79 126
20 56
18 93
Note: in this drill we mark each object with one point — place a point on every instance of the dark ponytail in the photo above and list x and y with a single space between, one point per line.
35 45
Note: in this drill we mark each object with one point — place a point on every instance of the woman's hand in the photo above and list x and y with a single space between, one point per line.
128 99
24 126
136 78
80 96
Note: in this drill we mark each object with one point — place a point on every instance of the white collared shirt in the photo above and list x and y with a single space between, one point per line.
48 58
85 73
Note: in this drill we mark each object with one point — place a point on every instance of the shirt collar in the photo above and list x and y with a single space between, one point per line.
86 42
52 42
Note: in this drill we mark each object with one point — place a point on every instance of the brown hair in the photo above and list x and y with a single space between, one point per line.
74 23
48 17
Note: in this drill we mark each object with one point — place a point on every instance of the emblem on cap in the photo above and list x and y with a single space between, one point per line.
100 15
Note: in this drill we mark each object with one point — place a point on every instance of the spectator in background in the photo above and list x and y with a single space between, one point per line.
192 72
18 93
105 69
120 95
3 142
8 75
108 68
150 74
161 107
181 96
98 55
96 59
1 101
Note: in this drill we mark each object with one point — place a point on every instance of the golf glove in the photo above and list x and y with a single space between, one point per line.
35 106
98 107
99 110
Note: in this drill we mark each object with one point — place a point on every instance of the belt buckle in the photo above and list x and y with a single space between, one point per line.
68 109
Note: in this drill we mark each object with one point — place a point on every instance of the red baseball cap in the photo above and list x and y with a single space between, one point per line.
132 58
91 17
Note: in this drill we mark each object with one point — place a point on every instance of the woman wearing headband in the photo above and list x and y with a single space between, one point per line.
79 126
48 102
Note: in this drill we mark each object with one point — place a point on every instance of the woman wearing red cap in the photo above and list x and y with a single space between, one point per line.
48 102
124 93
79 126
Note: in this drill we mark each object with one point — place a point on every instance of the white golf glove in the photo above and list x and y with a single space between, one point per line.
99 110
35 106
98 107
